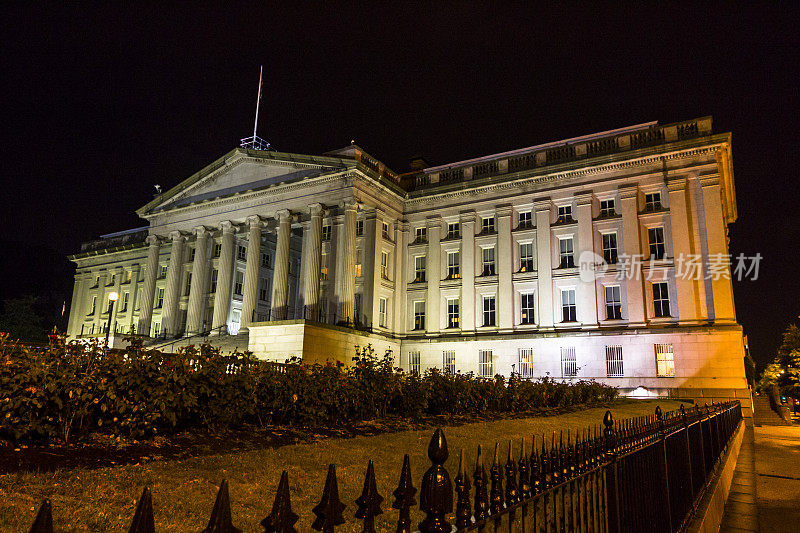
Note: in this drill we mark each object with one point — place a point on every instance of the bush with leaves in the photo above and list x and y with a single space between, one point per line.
69 389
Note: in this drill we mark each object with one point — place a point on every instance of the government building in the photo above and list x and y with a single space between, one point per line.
598 257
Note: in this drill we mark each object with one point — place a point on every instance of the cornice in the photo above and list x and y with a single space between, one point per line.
519 183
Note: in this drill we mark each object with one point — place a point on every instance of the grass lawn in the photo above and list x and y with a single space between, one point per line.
184 491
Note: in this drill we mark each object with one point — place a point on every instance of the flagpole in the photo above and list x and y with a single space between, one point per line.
258 101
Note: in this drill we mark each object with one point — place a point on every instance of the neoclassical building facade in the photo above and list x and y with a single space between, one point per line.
602 256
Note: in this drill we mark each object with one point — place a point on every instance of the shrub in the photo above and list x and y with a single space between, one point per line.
64 389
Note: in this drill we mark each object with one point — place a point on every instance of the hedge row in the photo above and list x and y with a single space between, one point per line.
65 389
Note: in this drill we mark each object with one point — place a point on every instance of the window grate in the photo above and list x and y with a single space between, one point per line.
569 364
449 361
614 361
485 365
665 361
525 361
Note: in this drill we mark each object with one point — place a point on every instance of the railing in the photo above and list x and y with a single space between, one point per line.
641 474
591 146
164 334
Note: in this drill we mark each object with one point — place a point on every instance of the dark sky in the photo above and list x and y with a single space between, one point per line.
101 103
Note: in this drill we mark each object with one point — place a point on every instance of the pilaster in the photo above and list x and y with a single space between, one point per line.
467 220
134 292
544 263
434 273
629 209
691 304
587 306
400 278
505 291
720 295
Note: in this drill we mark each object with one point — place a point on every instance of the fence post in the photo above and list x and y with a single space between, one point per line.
662 454
612 478
404 498
282 518
689 458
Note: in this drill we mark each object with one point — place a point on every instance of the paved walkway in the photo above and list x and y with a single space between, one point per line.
765 493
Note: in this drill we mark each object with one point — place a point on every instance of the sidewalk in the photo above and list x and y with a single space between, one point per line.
777 462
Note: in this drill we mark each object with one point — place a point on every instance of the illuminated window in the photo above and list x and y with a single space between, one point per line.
652 201
128 276
655 237
449 361
614 361
526 306
125 297
159 298
419 268
525 220
569 364
358 264
323 267
613 303
419 316
488 262
453 230
414 366
421 235
453 265
665 361
489 314
452 313
385 265
525 362
610 248
566 253
564 214
326 232
485 364
525 257
385 230
661 299
382 312
568 309
238 283
607 208
214 276
487 225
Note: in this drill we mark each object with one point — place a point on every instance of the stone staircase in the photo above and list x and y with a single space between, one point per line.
226 343
764 415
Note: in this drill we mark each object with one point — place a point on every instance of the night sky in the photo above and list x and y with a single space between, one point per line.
101 103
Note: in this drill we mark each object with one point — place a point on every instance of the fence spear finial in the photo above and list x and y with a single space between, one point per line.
143 520
496 475
524 473
282 518
404 497
436 496
463 486
369 503
512 493
220 521
329 509
44 519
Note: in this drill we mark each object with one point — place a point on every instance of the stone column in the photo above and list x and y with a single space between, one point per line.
251 271
544 263
197 290
629 198
312 250
346 275
75 307
280 275
134 290
690 307
400 278
222 298
102 303
587 293
370 265
169 312
149 286
468 270
719 291
433 320
505 290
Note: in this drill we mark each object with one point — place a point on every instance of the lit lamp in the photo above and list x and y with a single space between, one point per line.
112 297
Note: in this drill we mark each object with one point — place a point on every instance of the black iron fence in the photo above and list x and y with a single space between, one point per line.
641 474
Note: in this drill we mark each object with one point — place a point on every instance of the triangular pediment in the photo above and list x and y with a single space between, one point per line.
241 171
